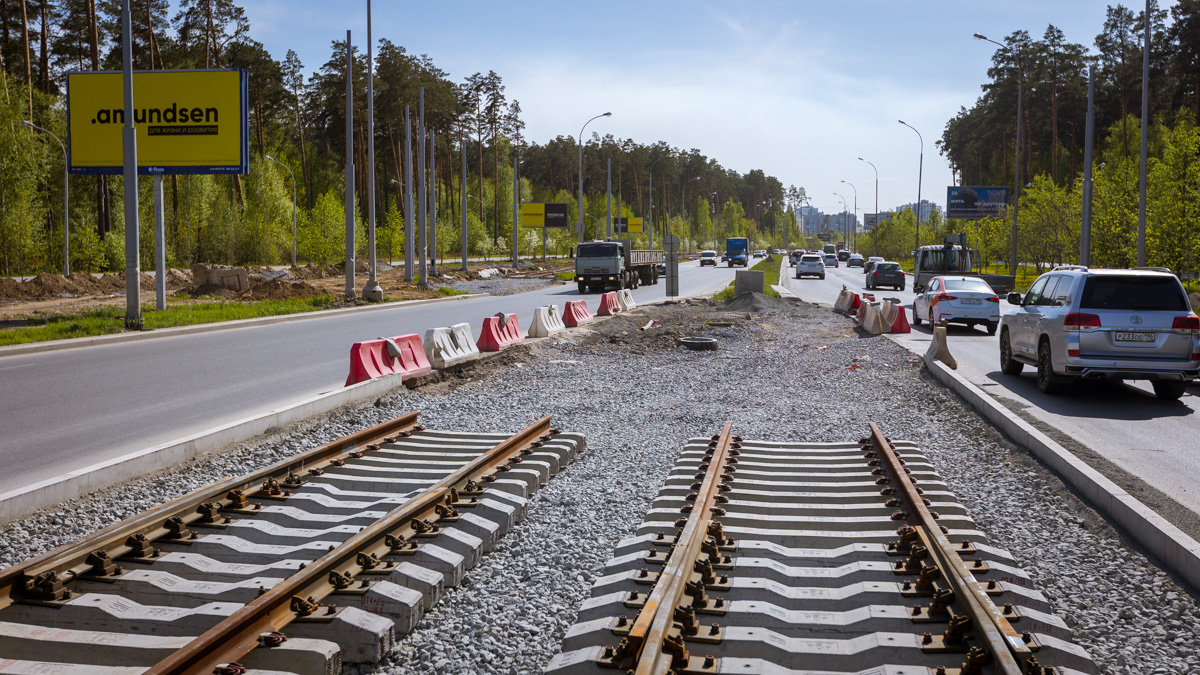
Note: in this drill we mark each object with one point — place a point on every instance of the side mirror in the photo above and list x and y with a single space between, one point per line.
1014 298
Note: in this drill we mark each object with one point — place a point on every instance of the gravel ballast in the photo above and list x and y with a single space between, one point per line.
797 373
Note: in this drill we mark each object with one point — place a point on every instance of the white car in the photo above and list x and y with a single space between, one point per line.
964 300
810 264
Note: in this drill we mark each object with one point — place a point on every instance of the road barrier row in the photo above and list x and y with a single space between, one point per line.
625 297
610 305
875 317
546 322
578 313
402 355
500 332
450 346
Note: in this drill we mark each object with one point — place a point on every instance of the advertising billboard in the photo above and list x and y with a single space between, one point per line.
974 202
544 214
872 220
187 121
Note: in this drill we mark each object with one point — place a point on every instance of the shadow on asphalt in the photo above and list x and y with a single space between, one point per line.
1091 398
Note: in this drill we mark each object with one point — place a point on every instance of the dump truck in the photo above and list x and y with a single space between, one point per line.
600 265
953 257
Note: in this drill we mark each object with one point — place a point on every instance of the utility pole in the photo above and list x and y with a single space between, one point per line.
1141 246
409 224
133 272
1085 227
462 184
372 291
422 213
349 199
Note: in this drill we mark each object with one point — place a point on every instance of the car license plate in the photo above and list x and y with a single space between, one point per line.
971 301
1135 337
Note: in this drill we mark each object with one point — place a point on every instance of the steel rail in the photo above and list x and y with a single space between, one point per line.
649 636
300 594
1002 642
46 573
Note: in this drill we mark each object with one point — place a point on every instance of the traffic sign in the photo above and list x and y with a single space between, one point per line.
544 214
671 243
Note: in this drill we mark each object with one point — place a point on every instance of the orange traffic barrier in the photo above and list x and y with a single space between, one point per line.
500 332
609 304
577 313
402 355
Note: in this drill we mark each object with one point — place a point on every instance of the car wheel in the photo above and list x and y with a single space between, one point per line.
1169 390
991 328
916 317
1047 383
583 288
900 288
822 277
1008 365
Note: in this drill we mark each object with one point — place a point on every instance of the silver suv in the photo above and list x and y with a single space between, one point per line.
1118 324
810 263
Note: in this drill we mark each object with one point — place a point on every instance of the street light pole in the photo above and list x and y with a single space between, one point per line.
844 207
66 201
272 159
854 222
875 235
920 169
581 226
1012 265
683 209
1141 248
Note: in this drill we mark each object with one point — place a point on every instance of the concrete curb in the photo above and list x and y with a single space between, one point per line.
1179 552
117 338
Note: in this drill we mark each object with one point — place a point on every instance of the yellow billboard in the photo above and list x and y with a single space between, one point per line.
187 121
533 215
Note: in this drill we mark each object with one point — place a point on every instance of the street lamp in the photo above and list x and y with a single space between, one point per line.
854 223
683 209
1017 169
920 168
844 208
607 114
66 195
272 159
875 235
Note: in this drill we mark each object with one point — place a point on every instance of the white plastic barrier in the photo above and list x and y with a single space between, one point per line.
873 319
845 300
445 347
546 322
625 297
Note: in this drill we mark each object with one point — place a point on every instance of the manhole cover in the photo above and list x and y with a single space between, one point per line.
698 343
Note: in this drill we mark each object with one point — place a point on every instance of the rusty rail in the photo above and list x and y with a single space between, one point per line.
44 577
1006 650
300 594
656 640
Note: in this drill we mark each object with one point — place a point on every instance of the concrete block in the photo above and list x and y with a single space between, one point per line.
748 281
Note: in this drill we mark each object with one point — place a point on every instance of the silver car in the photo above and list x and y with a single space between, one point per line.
1079 323
810 263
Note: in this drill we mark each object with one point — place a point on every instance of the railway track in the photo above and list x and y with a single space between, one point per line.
318 560
760 557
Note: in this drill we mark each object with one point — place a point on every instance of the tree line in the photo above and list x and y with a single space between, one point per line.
297 117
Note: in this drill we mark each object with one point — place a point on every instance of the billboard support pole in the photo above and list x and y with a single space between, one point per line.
160 247
349 295
422 279
133 300
1085 228
372 291
408 197
462 185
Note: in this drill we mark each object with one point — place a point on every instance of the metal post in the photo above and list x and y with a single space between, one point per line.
920 170
650 228
422 279
1085 227
432 207
608 209
409 224
854 222
516 200
462 185
349 199
133 272
1141 249
581 224
160 247
875 234
372 291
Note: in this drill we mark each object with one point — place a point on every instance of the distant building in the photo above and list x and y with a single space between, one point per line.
811 219
843 222
927 208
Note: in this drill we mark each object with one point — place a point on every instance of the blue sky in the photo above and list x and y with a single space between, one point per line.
800 89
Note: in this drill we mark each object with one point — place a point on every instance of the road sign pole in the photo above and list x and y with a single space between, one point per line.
133 272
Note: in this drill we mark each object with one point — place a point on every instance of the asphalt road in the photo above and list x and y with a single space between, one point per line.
1156 441
70 409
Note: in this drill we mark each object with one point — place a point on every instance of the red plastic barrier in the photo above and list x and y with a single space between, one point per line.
609 304
856 303
900 325
375 358
577 313
498 334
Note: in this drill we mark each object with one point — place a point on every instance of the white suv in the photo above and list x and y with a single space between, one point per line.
810 263
1118 324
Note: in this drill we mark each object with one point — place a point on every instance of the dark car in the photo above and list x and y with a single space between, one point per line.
855 260
886 274
843 255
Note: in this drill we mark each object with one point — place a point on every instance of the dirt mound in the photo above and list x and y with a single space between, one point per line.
311 271
756 302
278 289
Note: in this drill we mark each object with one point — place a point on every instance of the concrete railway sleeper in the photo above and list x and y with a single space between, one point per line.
787 558
318 560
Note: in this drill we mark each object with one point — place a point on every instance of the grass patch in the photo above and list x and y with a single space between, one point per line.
447 291
769 266
112 319
565 276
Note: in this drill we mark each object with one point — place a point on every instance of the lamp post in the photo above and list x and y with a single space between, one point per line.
854 222
272 159
683 208
1012 265
66 195
875 236
920 169
607 114
844 208
482 212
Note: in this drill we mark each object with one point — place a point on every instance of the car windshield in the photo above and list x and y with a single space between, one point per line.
809 258
1133 293
708 254
597 251
888 267
968 285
